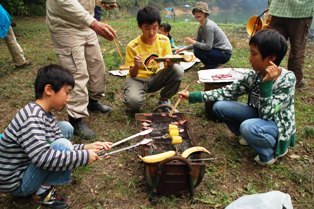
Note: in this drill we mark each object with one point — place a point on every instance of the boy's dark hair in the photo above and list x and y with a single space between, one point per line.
270 43
166 26
148 15
55 75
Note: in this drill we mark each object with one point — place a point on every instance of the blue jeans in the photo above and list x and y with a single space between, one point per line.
212 58
33 177
241 119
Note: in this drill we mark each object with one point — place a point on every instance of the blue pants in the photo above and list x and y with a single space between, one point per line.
241 119
212 58
33 176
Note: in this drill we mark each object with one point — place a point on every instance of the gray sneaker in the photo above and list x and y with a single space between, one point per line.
164 105
258 161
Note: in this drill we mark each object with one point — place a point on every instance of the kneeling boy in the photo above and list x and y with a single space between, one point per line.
147 75
35 151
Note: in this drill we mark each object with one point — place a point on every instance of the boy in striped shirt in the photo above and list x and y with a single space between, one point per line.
35 150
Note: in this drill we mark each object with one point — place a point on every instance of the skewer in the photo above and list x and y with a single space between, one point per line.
177 103
144 65
115 40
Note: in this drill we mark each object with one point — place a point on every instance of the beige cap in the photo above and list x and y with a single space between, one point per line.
200 6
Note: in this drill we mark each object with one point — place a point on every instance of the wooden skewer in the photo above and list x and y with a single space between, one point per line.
115 40
118 48
177 103
144 65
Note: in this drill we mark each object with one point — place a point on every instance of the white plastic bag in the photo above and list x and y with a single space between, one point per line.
268 200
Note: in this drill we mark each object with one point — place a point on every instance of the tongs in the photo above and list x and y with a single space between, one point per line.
102 153
142 133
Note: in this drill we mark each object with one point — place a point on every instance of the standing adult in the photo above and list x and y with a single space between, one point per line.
6 32
211 46
74 34
293 20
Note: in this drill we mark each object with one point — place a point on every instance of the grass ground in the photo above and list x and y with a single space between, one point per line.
118 182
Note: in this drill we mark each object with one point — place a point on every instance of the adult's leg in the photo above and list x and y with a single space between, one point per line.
70 50
95 67
134 93
261 136
233 114
298 29
168 79
213 57
15 49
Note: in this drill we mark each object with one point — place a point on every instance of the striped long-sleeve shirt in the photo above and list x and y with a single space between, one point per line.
27 140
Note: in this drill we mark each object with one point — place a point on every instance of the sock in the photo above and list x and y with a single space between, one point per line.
42 189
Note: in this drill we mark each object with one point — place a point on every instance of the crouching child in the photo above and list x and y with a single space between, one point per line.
267 122
35 150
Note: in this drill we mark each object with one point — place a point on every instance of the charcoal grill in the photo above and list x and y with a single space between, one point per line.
175 175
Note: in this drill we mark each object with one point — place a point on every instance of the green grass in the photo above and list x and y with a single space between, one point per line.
118 182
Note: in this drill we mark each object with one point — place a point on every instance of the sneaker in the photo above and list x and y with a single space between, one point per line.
242 141
283 154
164 105
51 200
258 161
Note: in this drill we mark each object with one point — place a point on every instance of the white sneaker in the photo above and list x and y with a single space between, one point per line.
242 141
258 161
283 154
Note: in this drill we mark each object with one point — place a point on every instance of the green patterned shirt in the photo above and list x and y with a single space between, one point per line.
276 102
291 8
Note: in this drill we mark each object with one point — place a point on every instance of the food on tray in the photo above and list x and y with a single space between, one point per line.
172 126
191 150
173 132
176 140
227 76
176 58
158 157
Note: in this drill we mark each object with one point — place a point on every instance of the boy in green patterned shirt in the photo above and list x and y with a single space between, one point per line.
267 122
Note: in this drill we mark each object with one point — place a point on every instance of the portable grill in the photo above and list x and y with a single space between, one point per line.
175 175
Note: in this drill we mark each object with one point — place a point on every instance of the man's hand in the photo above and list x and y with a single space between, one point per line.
272 72
103 30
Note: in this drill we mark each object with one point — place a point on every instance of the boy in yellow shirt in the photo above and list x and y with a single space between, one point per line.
145 74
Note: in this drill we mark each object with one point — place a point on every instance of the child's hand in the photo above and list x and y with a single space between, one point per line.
272 72
184 94
92 156
97 146
138 61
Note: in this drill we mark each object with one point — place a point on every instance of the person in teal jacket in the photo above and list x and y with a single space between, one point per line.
267 122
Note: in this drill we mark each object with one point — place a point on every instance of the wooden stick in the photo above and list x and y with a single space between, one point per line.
144 65
177 103
115 40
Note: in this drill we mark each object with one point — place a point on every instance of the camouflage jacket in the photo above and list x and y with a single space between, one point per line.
275 102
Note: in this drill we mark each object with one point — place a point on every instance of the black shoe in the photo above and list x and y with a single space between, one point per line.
51 200
95 106
81 129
